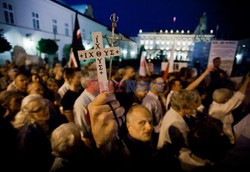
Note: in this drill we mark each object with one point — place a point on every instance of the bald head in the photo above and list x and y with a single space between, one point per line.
139 122
35 88
136 109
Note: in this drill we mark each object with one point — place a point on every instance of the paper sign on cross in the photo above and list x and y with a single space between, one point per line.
99 53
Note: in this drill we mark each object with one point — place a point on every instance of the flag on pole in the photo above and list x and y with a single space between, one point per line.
169 67
143 70
75 46
174 19
72 60
217 27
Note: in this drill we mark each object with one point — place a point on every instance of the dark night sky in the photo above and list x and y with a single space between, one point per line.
152 15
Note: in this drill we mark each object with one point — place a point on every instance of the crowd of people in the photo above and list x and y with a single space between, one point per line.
55 119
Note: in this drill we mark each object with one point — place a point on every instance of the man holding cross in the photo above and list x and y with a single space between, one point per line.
81 115
93 87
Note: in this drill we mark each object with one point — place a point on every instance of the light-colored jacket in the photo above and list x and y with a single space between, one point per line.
81 111
172 118
222 112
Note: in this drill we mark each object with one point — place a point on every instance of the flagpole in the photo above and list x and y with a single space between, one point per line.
112 44
114 18
172 58
174 20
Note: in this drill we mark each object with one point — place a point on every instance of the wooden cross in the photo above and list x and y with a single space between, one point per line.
99 53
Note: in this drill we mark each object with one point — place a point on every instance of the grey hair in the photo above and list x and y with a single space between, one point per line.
65 139
87 77
222 95
185 99
131 110
25 115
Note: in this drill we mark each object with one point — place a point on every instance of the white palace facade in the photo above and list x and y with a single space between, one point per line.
25 22
180 42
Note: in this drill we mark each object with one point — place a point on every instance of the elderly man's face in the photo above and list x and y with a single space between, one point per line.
40 114
158 86
140 125
141 89
21 82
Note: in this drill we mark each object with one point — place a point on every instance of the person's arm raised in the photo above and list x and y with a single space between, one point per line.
244 85
196 82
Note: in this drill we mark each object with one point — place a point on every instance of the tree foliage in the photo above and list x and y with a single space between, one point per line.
47 46
4 44
66 51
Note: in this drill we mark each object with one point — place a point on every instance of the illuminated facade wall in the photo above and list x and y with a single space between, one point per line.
25 22
182 43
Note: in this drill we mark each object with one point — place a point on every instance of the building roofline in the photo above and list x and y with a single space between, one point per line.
70 8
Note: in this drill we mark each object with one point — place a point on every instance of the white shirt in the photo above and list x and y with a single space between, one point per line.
243 127
63 89
170 94
188 163
80 111
153 104
223 111
12 86
171 118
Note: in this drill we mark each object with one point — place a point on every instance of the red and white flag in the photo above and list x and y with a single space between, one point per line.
143 70
75 46
72 60
170 65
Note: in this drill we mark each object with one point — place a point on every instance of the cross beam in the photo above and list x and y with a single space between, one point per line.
99 53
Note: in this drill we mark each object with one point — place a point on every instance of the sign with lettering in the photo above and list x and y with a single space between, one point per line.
226 51
92 54
99 53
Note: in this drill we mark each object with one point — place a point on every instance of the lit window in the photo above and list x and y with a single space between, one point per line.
35 20
8 13
54 26
66 29
83 34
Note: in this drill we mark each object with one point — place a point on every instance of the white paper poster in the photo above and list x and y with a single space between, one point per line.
226 51
176 67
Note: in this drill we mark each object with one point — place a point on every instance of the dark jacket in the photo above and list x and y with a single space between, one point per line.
33 148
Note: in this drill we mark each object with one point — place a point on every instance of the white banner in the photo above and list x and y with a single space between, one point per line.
226 51
176 66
